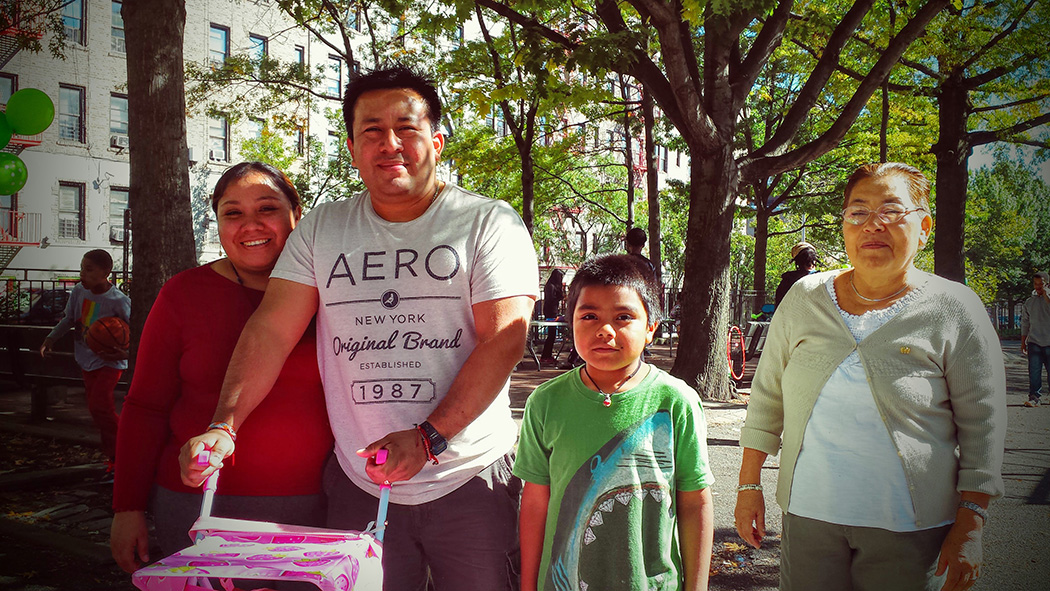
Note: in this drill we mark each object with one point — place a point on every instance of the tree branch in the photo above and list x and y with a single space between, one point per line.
978 138
1033 99
1003 34
768 39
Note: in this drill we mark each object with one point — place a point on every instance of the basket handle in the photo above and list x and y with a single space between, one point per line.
209 484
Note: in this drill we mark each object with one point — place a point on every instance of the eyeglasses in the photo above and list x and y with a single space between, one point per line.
888 214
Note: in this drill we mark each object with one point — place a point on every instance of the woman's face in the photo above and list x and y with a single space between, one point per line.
876 246
254 222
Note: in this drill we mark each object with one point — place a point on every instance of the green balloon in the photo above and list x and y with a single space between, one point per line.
30 111
13 173
5 131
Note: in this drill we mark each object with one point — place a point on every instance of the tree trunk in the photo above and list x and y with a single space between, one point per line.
528 187
761 253
952 151
652 179
160 184
628 160
701 361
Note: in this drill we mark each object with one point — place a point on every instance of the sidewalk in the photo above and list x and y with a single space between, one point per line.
1016 540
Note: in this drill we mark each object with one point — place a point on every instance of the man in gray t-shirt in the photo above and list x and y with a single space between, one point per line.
422 294
1035 335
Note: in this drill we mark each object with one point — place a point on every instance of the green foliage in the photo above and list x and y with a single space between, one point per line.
1007 220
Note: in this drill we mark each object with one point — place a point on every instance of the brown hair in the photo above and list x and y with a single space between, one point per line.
280 181
918 184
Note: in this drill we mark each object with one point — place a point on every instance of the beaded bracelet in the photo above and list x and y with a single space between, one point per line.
744 487
228 428
426 445
979 510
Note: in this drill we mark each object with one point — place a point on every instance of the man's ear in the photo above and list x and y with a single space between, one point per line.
350 146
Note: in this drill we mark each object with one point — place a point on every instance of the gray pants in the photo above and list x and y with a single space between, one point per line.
175 512
820 555
466 540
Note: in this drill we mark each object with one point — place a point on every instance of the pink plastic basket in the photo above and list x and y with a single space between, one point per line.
227 549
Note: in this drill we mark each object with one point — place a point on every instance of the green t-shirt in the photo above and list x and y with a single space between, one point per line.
613 474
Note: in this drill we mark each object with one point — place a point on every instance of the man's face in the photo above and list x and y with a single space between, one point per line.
1037 282
393 146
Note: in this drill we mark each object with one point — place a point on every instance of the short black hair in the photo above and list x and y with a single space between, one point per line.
635 237
617 270
239 171
100 258
805 259
396 76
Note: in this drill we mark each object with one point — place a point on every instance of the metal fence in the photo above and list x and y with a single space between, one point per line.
27 295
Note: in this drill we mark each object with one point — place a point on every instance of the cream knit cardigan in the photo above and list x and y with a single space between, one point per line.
936 370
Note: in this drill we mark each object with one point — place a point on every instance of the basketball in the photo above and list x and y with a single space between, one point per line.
106 334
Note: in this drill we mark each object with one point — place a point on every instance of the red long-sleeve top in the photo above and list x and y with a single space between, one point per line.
182 357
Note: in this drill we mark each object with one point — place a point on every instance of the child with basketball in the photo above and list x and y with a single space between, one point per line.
614 453
92 299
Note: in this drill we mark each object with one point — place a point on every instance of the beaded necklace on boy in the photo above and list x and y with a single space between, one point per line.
608 395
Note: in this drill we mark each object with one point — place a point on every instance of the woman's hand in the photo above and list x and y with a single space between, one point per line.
750 516
961 553
128 540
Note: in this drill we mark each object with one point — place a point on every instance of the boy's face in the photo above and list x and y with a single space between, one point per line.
92 276
610 327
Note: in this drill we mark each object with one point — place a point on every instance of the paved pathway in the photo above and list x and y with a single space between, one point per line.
1017 539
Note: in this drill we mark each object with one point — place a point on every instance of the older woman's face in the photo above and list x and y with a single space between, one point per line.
876 246
254 221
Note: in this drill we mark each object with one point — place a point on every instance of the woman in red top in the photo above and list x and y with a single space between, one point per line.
186 345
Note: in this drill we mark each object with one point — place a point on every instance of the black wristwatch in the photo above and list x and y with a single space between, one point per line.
438 443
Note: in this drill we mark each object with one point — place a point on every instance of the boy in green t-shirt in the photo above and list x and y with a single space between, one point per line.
614 454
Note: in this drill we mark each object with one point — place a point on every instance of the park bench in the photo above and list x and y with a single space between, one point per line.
20 363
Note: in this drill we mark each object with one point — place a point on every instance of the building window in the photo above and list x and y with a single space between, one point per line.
118 114
218 45
71 210
334 76
354 19
255 128
118 202
116 39
300 55
8 206
73 21
663 152
8 86
332 146
677 158
218 138
258 46
300 141
71 113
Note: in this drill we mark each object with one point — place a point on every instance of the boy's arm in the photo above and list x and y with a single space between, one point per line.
531 528
696 532
69 318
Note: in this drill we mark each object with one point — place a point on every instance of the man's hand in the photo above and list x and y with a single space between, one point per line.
128 540
1024 346
406 456
961 554
46 347
218 442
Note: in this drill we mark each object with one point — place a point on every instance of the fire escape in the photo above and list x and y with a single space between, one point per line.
18 229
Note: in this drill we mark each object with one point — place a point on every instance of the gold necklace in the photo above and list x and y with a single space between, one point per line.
852 273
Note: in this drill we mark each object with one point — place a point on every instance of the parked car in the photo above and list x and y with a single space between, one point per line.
36 307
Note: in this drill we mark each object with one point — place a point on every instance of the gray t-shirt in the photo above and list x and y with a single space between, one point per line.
83 309
394 322
1035 320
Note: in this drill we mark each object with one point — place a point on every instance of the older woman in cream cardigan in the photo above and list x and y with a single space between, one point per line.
883 388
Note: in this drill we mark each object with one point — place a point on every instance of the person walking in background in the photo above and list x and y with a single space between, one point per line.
883 388
423 293
805 258
1035 335
185 347
553 293
634 242
614 454
92 298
